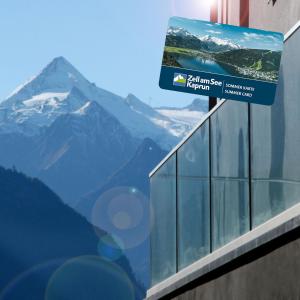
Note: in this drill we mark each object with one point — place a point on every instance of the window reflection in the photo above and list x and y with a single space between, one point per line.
276 142
229 158
163 235
193 198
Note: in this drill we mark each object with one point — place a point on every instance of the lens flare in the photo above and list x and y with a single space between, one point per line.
89 277
31 283
191 155
124 213
110 247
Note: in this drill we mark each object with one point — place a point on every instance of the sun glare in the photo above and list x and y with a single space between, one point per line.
192 8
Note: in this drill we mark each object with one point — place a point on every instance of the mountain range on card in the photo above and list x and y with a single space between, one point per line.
180 37
258 64
81 140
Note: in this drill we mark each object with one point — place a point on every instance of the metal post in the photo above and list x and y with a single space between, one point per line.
213 18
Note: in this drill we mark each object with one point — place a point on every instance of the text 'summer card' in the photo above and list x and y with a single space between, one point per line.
221 61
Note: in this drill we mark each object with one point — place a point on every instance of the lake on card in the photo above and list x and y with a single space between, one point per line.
201 64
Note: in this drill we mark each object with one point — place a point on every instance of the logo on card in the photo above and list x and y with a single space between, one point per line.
179 79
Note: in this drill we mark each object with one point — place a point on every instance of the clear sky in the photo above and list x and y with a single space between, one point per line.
246 37
115 43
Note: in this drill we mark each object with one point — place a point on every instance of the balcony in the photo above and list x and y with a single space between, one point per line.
237 170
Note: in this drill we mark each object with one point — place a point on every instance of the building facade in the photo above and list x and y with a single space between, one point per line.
226 201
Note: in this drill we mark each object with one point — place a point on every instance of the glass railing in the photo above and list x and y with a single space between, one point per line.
238 169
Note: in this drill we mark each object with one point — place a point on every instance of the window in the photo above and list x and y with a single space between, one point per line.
276 142
193 198
230 184
163 234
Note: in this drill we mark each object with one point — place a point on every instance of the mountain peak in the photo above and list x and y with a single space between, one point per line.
60 59
59 64
219 44
60 71
131 98
173 30
141 107
198 101
59 76
198 104
61 89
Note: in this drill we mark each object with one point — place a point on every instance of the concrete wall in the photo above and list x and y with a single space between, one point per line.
278 17
274 275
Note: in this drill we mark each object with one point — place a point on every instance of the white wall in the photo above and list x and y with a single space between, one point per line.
280 17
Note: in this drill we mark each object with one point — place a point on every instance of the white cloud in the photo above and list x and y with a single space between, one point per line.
214 31
255 36
273 38
249 36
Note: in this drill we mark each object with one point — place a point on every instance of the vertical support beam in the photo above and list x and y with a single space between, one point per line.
224 10
244 21
244 13
250 168
176 214
227 8
210 188
213 18
214 11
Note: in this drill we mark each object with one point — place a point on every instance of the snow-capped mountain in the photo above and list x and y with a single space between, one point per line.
76 137
218 45
187 116
29 115
73 155
142 108
84 148
178 125
178 31
199 104
59 89
180 37
67 127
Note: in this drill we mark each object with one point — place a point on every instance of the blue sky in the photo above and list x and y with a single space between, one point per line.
246 37
104 40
